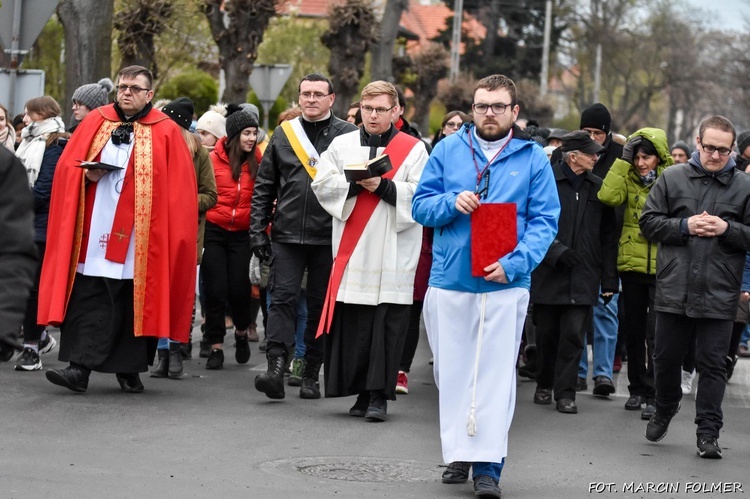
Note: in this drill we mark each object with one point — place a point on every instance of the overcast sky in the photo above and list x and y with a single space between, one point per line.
730 13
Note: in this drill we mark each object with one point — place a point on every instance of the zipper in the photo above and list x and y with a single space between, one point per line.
236 202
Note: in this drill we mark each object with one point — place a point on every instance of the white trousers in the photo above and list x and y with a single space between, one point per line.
452 320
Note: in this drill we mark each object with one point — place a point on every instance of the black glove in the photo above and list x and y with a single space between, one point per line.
629 150
263 252
570 258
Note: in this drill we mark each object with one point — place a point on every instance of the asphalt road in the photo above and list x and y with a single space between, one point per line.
212 435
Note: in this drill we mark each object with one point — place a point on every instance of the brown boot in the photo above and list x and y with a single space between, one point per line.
252 333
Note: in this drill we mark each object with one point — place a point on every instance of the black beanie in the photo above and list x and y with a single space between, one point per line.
238 119
596 116
743 140
181 111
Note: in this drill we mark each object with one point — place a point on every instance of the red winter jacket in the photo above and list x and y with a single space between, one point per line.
232 209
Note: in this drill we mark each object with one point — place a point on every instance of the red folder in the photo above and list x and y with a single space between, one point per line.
493 234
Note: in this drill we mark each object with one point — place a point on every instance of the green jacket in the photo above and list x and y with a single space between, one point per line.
622 184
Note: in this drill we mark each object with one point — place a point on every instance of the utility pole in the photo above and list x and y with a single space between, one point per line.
458 15
545 48
597 71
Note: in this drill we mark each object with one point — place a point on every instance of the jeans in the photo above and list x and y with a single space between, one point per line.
673 333
491 470
604 341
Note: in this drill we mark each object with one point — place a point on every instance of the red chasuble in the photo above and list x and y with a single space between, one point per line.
165 223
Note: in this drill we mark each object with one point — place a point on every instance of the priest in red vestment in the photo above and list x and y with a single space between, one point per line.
121 267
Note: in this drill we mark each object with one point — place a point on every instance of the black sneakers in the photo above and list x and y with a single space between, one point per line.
215 359
657 426
242 348
456 472
708 447
28 360
485 486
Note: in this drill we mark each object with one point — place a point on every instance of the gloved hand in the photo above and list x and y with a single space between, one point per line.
570 258
263 252
629 150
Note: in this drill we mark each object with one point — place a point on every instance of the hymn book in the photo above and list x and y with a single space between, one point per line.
494 234
376 167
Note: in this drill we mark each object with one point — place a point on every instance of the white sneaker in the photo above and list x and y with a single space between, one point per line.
687 382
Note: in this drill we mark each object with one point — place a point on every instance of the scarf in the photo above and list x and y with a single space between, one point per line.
648 178
34 143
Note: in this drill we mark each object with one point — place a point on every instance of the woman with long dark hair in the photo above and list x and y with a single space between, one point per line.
226 256
450 125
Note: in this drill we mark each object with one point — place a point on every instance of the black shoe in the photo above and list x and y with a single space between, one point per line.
543 396
205 350
271 382
567 406
242 348
456 472
485 486
130 382
162 365
310 388
359 408
377 411
527 371
649 411
657 426
603 386
71 378
581 385
634 403
175 360
215 359
708 447
186 349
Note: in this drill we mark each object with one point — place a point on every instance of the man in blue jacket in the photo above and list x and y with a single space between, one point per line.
474 324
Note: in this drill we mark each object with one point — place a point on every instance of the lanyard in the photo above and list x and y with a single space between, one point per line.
484 172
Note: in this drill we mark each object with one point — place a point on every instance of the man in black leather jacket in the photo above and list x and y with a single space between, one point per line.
699 213
300 230
17 252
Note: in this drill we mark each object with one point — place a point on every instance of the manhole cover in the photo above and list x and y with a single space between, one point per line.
356 469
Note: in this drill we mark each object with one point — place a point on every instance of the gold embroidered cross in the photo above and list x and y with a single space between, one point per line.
120 235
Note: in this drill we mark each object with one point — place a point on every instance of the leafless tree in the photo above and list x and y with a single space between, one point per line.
139 24
382 51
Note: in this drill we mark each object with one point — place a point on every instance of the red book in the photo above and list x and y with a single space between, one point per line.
493 235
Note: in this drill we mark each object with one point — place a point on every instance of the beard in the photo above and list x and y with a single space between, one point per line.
492 135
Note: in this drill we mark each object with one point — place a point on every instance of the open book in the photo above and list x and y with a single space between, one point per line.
376 167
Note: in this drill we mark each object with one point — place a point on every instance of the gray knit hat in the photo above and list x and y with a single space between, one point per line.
682 145
94 95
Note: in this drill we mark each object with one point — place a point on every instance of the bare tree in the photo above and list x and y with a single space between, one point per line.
428 67
237 27
139 24
88 44
382 51
351 32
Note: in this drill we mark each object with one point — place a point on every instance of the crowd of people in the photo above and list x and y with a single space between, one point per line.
516 247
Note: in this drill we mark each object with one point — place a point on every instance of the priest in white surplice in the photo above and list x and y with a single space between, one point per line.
474 324
376 245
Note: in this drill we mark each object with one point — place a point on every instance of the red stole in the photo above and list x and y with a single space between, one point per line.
397 150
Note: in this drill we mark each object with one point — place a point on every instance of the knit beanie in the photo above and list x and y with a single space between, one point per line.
214 121
181 111
238 119
681 145
743 141
596 116
94 95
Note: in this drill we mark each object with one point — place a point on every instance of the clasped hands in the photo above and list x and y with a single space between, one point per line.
705 225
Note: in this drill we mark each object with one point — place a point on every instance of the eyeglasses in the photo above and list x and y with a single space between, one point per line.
380 110
497 108
451 124
723 151
312 95
594 133
135 89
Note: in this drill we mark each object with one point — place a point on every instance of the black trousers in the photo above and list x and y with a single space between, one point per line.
226 278
31 331
638 291
287 270
673 335
412 336
559 341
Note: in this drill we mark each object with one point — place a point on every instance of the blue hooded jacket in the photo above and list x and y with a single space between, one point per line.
520 174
